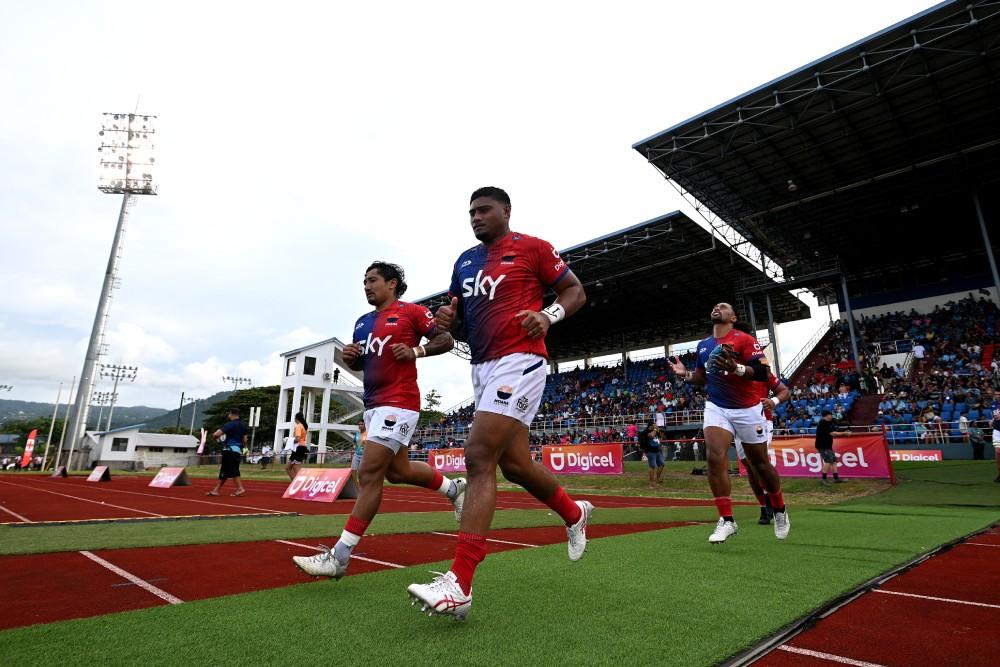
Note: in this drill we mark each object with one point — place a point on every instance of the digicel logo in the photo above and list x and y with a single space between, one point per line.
449 460
561 460
813 461
312 485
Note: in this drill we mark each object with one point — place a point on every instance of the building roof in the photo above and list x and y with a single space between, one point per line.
864 158
336 341
120 428
650 284
167 440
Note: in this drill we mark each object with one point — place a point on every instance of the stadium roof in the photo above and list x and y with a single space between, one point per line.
649 284
865 158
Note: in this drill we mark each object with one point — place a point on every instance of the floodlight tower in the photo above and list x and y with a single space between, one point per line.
102 399
125 167
237 381
117 373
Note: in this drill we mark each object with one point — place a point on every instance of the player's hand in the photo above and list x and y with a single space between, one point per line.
536 324
767 404
351 353
402 352
726 362
445 315
677 366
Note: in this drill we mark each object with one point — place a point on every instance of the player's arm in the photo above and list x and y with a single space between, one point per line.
438 342
696 377
753 366
781 393
570 297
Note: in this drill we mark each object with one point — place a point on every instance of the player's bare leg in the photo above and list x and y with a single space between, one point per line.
491 434
717 441
771 481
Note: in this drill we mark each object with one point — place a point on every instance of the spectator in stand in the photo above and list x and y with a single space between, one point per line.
977 441
824 445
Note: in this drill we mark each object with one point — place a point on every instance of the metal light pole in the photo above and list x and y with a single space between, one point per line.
118 373
62 437
126 168
52 426
237 381
103 398
194 410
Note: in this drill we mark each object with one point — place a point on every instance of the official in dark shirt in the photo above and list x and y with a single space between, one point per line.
650 445
233 432
824 445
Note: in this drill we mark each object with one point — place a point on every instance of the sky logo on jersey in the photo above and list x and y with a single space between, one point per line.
374 345
481 285
389 422
504 392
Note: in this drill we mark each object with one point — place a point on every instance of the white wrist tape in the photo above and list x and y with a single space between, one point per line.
555 312
776 401
419 351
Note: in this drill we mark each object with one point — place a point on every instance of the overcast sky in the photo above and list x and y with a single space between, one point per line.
299 141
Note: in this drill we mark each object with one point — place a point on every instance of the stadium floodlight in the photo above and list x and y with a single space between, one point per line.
126 164
6 387
237 381
125 167
117 372
102 399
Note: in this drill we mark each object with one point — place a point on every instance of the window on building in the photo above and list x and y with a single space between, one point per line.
119 445
180 450
309 366
290 367
156 449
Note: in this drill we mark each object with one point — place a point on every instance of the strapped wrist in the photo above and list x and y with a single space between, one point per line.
554 312
419 351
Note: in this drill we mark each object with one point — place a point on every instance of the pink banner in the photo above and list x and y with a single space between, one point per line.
322 485
167 477
916 455
584 459
100 474
446 460
29 447
857 455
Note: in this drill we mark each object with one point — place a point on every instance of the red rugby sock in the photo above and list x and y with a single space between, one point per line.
564 506
725 506
777 501
762 499
356 526
469 553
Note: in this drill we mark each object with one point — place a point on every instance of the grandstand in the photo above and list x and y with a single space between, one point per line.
868 177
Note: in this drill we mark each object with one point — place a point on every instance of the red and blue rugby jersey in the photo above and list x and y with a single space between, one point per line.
727 390
493 284
389 382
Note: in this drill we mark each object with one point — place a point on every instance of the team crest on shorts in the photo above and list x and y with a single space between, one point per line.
390 423
404 428
522 403
504 392
760 430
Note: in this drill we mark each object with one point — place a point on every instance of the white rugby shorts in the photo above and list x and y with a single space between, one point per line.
511 386
391 427
996 438
746 424
740 454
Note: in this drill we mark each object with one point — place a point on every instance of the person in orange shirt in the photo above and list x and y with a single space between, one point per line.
298 457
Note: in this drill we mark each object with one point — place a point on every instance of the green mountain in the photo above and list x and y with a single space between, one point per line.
123 415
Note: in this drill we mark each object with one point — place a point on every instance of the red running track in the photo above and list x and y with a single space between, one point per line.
944 611
27 499
43 588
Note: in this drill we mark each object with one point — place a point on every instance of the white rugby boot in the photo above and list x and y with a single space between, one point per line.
723 531
442 596
781 524
323 564
577 533
458 502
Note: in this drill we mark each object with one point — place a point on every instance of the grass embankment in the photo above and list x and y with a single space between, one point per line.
663 597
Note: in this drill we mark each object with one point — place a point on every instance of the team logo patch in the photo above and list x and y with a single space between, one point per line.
507 259
404 428
760 430
522 403
503 395
389 423
391 321
466 263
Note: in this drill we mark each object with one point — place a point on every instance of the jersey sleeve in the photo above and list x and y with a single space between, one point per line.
422 320
455 289
748 349
549 266
772 381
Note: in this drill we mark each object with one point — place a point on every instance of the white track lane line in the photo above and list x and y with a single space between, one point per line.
86 500
16 515
141 583
353 557
937 599
489 539
982 544
189 500
828 656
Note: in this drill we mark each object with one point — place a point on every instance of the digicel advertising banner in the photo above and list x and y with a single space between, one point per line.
583 459
858 456
447 460
322 485
916 455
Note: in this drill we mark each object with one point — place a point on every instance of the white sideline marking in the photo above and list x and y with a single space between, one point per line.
187 500
367 560
983 544
86 500
488 539
931 597
828 656
16 515
141 583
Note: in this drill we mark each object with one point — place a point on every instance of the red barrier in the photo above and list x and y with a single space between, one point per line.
447 460
606 459
857 455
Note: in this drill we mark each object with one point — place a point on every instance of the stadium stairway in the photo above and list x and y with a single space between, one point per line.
807 369
864 411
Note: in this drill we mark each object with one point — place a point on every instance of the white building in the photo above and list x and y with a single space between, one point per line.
128 448
310 376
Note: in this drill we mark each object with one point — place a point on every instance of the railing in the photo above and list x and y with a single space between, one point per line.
789 370
938 433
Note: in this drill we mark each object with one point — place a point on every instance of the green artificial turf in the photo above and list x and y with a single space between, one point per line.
663 597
